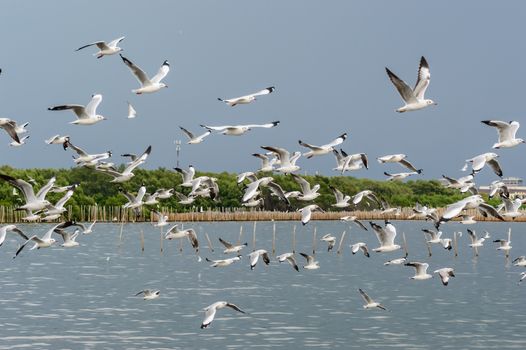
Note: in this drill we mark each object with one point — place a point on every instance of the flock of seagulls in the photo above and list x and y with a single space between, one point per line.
275 160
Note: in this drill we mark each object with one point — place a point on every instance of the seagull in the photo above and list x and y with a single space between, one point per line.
413 98
506 133
306 212
224 262
345 162
230 248
385 236
21 129
183 199
267 164
324 149
58 140
254 257
127 173
18 144
512 207
371 304
307 194
174 233
444 274
311 263
475 241
33 202
523 276
237 130
68 238
162 220
149 294
253 188
504 244
401 176
520 261
358 197
498 186
192 139
12 228
289 257
62 189
446 243
10 127
489 158
287 162
211 311
398 158
85 115
165 193
253 203
420 270
248 175
89 229
45 241
471 202
85 159
132 113
463 184
188 176
134 201
151 199
105 49
341 200
398 261
467 220
330 239
360 246
53 212
434 235
355 220
148 85
247 98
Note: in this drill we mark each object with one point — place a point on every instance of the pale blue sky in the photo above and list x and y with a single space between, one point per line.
326 60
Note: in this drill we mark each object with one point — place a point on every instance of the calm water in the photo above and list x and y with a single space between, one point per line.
83 298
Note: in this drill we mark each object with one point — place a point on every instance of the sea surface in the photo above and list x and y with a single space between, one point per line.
84 297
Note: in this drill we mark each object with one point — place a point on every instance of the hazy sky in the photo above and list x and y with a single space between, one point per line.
325 58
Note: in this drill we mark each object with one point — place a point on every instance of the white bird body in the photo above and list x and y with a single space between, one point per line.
287 163
237 130
148 85
254 257
490 158
370 303
330 240
33 202
210 311
386 237
85 115
506 133
306 212
360 246
311 263
420 270
105 49
246 99
413 98
323 149
307 193
224 262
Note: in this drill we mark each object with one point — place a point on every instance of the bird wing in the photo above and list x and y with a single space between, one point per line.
359 223
453 210
22 185
309 258
423 79
192 236
209 316
283 154
267 125
77 109
495 166
304 184
225 243
94 43
220 128
337 194
403 89
60 203
278 191
336 141
41 194
137 72
265 91
366 297
114 43
187 133
91 107
489 210
308 145
503 129
161 73
10 129
141 159
408 165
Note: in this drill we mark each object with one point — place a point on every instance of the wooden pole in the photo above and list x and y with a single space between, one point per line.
314 240
120 235
254 237
210 246
294 239
161 239
240 234
339 251
428 246
142 241
273 237
405 245
455 245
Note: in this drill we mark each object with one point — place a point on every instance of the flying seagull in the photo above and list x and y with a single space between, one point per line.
287 162
231 248
247 98
420 270
195 139
10 127
371 304
224 262
445 273
413 98
105 49
506 133
33 202
127 173
85 115
237 130
386 236
10 228
323 149
289 257
330 239
132 113
311 263
210 311
254 257
489 158
148 85
149 294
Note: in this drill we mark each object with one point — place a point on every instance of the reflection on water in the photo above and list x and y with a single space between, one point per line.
84 297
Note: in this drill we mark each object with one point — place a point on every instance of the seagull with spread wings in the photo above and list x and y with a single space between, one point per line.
127 173
86 115
238 130
247 98
105 49
195 139
506 133
148 85
323 149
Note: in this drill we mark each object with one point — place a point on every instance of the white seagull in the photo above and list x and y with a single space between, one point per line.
330 239
187 175
127 173
413 98
85 115
149 294
224 262
475 241
289 257
33 202
341 200
193 139
237 130
445 273
520 261
254 257
323 149
89 229
10 127
489 158
306 212
386 236
307 193
231 248
12 228
358 197
58 140
398 158
420 270
247 98
174 233
210 311
311 263
45 241
132 113
371 304
360 246
287 162
400 176
267 164
148 85
105 49
18 144
506 133
68 238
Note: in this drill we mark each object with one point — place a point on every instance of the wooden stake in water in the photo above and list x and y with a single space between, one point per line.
273 237
210 246
162 239
314 240
294 239
455 245
339 251
509 242
254 237
428 246
405 245
120 234
142 241
240 235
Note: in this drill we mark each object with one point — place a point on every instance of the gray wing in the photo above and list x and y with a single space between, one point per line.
424 77
403 89
137 72
495 166
408 165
